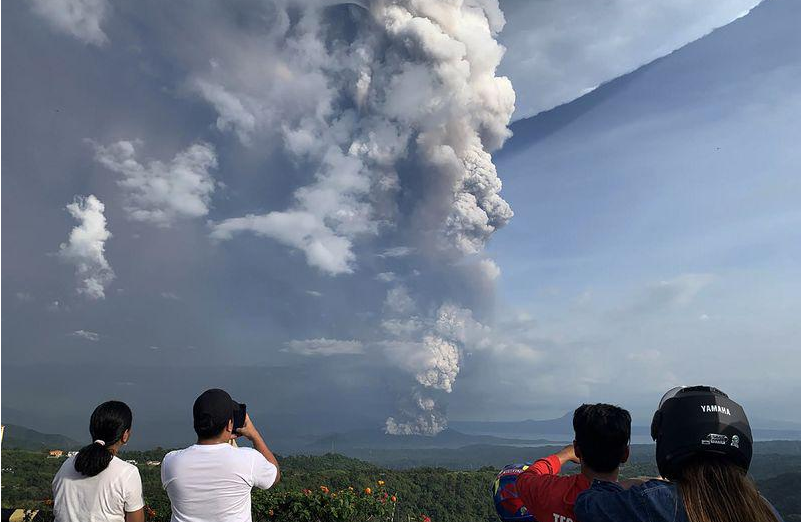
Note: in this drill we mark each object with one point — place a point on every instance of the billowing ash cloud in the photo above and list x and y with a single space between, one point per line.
86 247
160 193
398 121
396 111
389 113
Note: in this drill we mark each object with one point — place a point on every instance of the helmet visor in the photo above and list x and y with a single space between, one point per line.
669 395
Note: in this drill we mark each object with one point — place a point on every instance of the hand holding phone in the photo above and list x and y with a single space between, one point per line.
240 414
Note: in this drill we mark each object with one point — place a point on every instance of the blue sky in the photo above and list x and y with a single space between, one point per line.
318 244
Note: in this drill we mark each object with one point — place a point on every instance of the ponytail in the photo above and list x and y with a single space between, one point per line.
109 422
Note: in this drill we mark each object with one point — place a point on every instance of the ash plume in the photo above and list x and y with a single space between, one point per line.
398 116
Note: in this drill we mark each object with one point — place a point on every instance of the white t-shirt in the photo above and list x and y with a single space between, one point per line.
103 498
212 482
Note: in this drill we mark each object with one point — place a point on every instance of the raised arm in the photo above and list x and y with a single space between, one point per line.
529 483
250 432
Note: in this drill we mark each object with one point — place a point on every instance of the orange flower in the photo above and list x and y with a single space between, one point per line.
368 491
393 498
324 490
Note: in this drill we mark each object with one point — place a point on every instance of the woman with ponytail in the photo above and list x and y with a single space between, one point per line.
96 485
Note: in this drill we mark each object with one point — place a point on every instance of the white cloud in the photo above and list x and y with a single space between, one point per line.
302 230
558 51
399 251
85 334
172 296
86 247
325 347
386 277
160 193
78 18
398 301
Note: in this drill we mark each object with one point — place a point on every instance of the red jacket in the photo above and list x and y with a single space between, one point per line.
546 495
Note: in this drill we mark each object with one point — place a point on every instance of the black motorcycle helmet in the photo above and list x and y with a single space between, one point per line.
699 421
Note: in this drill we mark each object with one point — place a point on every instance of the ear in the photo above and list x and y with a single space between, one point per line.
230 426
577 450
125 436
625 457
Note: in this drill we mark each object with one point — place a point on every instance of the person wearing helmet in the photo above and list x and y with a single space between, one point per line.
602 443
703 451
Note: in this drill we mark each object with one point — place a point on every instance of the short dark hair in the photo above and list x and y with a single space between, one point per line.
603 432
209 430
212 412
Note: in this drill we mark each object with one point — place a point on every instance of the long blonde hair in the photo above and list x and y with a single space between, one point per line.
714 490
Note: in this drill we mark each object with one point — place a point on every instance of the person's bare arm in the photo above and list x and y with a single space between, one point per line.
567 454
250 432
135 516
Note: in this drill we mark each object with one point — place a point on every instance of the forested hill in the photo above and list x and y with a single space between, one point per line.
335 488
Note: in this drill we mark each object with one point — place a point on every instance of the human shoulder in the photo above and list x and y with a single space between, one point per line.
123 466
67 469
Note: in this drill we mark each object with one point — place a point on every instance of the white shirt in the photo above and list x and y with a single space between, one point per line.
212 482
103 498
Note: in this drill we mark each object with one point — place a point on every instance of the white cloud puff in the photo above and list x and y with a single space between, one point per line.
161 193
86 247
78 18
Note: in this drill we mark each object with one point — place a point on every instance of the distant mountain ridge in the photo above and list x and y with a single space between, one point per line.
378 439
20 437
561 427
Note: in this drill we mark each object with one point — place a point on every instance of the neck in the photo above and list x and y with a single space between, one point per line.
592 474
115 448
222 439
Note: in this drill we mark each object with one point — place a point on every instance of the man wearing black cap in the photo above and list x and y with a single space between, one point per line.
211 480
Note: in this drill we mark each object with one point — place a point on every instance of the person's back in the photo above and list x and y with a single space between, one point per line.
211 480
704 448
95 485
601 445
102 497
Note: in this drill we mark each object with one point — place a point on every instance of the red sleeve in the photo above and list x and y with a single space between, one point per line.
527 481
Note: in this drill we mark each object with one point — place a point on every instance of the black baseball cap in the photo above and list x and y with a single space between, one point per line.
212 411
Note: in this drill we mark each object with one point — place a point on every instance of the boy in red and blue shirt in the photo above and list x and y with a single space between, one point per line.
602 439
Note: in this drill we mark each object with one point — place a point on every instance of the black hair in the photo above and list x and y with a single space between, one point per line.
109 421
603 432
206 428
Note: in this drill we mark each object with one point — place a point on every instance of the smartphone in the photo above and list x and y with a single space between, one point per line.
240 410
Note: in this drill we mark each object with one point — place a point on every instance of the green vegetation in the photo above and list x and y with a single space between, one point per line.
333 488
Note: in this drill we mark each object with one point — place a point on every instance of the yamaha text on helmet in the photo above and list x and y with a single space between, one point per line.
698 421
